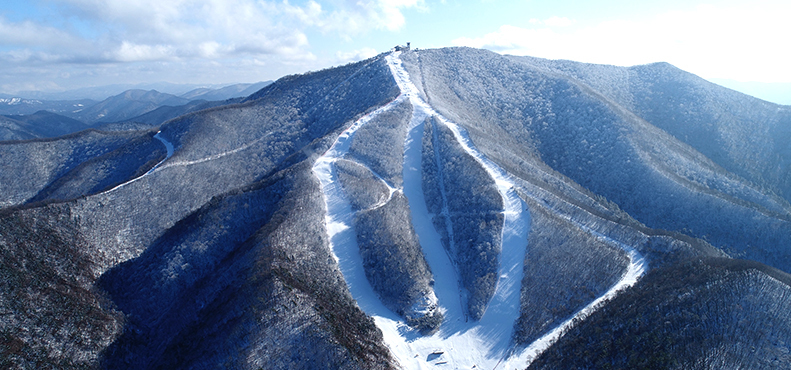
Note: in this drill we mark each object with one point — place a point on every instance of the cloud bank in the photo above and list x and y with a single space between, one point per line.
710 40
108 34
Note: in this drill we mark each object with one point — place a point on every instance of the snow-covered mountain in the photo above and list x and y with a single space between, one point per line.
226 92
135 108
420 209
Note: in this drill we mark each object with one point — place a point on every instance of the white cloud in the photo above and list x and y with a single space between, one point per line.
554 21
150 30
352 17
193 28
743 43
28 33
129 52
355 55
89 42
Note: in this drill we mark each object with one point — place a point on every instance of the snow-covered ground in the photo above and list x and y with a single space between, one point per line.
465 344
458 343
637 267
168 146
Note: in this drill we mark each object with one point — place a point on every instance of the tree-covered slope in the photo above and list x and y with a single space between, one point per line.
519 112
417 209
695 314
743 134
291 308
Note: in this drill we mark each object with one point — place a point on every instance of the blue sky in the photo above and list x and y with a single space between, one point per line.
52 45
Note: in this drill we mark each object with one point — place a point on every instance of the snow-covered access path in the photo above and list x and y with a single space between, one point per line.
168 147
485 344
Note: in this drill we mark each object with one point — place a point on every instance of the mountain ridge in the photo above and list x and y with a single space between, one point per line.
230 252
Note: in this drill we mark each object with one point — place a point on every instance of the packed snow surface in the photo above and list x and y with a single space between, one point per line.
458 344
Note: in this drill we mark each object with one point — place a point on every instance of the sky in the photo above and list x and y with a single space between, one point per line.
56 45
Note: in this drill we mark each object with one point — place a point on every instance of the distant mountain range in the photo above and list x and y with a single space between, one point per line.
420 209
99 93
46 118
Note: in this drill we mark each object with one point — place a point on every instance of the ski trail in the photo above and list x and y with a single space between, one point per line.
168 147
485 343
514 238
457 343
390 188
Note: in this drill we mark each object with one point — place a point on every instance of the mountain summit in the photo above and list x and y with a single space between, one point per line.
422 208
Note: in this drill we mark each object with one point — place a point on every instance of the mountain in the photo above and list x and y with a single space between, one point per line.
47 124
99 93
225 93
20 106
125 111
443 207
199 99
129 104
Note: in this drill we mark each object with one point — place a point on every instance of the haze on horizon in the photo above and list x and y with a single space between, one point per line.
56 45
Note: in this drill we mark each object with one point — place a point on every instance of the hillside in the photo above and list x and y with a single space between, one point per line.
420 209
43 124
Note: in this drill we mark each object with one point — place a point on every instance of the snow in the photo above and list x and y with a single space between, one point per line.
486 343
170 149
213 156
637 268
458 343
339 222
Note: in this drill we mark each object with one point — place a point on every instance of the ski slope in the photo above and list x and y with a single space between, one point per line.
458 343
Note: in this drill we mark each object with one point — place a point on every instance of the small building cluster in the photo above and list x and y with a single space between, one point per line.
402 47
